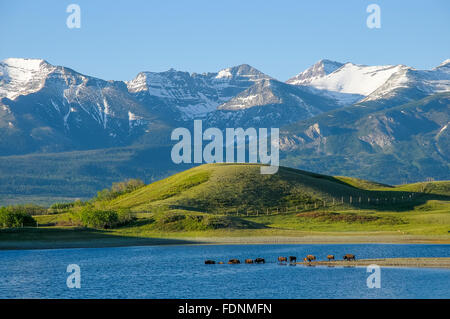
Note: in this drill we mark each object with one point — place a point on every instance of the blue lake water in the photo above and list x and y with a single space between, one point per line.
179 272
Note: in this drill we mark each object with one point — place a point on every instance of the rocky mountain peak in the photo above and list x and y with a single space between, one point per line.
316 71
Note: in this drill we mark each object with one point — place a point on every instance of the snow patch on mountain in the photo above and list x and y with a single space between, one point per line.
356 79
444 66
424 81
22 76
347 83
224 74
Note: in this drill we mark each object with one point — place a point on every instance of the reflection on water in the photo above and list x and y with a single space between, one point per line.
180 272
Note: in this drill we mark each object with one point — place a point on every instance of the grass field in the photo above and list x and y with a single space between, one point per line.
225 203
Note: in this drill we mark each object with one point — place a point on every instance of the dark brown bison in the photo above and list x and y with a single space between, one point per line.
292 259
349 257
234 261
209 262
281 259
249 261
260 260
310 258
330 257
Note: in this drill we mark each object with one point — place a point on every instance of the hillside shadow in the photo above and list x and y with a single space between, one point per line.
52 238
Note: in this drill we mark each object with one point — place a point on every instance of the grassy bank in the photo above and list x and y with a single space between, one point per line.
427 224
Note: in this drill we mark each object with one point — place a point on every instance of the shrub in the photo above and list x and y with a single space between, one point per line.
125 216
96 218
217 222
103 218
170 218
29 209
120 188
61 206
12 217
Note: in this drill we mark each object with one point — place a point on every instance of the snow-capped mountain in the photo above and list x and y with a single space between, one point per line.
336 118
46 107
409 84
349 83
50 108
316 72
270 103
355 79
22 76
193 95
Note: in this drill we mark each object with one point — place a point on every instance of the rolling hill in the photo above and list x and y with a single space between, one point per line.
228 188
234 203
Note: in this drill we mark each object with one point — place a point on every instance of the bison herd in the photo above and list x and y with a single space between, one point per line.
292 259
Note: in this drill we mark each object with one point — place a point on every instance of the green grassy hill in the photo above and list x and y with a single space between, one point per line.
236 202
227 188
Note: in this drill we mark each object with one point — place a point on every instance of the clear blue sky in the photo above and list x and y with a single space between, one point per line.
118 39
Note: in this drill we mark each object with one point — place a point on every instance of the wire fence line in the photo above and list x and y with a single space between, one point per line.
342 202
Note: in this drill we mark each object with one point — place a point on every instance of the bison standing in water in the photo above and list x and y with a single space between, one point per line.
249 261
310 258
292 259
330 257
209 262
260 261
234 261
349 257
281 259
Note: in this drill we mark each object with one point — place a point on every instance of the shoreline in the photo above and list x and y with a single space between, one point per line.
244 240
419 262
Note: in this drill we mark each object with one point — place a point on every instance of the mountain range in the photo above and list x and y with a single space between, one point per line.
388 123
